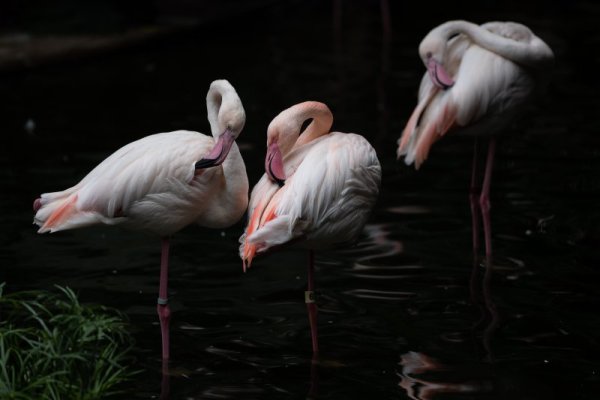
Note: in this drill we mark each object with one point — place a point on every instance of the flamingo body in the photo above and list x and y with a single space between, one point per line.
478 79
151 185
331 185
328 198
161 183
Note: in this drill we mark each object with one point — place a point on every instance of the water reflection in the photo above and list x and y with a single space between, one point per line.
481 286
418 373
165 383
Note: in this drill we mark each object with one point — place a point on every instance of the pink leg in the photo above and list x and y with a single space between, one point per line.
165 389
309 298
484 202
473 197
163 309
484 199
474 200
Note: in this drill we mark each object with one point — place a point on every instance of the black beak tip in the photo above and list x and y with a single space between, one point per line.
204 163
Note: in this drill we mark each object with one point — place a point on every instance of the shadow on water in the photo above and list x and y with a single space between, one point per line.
410 311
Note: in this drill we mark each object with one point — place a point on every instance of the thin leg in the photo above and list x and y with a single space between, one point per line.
473 197
484 199
165 390
484 202
163 309
309 298
474 200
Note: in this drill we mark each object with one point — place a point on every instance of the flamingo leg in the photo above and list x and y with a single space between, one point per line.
484 203
309 298
473 197
165 389
484 199
162 308
474 200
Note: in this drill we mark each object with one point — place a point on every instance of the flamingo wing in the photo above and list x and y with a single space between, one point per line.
141 176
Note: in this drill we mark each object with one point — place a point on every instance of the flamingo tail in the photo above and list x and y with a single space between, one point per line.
54 215
412 132
431 133
260 216
55 212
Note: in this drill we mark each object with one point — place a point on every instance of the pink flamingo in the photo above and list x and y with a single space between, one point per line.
157 185
317 191
477 81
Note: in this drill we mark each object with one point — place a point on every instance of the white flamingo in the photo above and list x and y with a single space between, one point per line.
160 184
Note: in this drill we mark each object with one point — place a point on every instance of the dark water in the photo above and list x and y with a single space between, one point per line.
405 313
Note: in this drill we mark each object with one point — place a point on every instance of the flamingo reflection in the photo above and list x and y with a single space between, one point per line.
414 364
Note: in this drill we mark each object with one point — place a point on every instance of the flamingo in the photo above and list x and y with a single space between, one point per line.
317 191
160 184
478 79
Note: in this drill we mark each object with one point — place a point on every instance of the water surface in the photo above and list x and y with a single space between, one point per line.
406 313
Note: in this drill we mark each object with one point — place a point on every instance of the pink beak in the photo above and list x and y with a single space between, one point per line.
438 75
219 152
274 164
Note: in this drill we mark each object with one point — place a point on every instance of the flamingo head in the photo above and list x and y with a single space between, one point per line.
433 53
274 164
281 137
227 118
225 109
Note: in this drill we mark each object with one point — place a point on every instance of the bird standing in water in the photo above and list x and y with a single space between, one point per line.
477 81
317 191
160 184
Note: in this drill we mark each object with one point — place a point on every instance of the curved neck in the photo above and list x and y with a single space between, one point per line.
213 104
224 107
285 129
532 52
322 119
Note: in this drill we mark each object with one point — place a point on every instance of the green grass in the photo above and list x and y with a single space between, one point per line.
53 347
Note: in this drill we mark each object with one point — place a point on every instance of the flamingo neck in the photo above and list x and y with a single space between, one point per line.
531 52
321 123
225 109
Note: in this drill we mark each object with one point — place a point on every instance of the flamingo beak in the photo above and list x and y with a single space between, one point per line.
219 152
274 164
438 75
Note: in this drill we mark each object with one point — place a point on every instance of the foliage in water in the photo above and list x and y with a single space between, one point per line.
53 347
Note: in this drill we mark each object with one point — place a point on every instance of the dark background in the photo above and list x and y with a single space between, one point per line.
92 76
